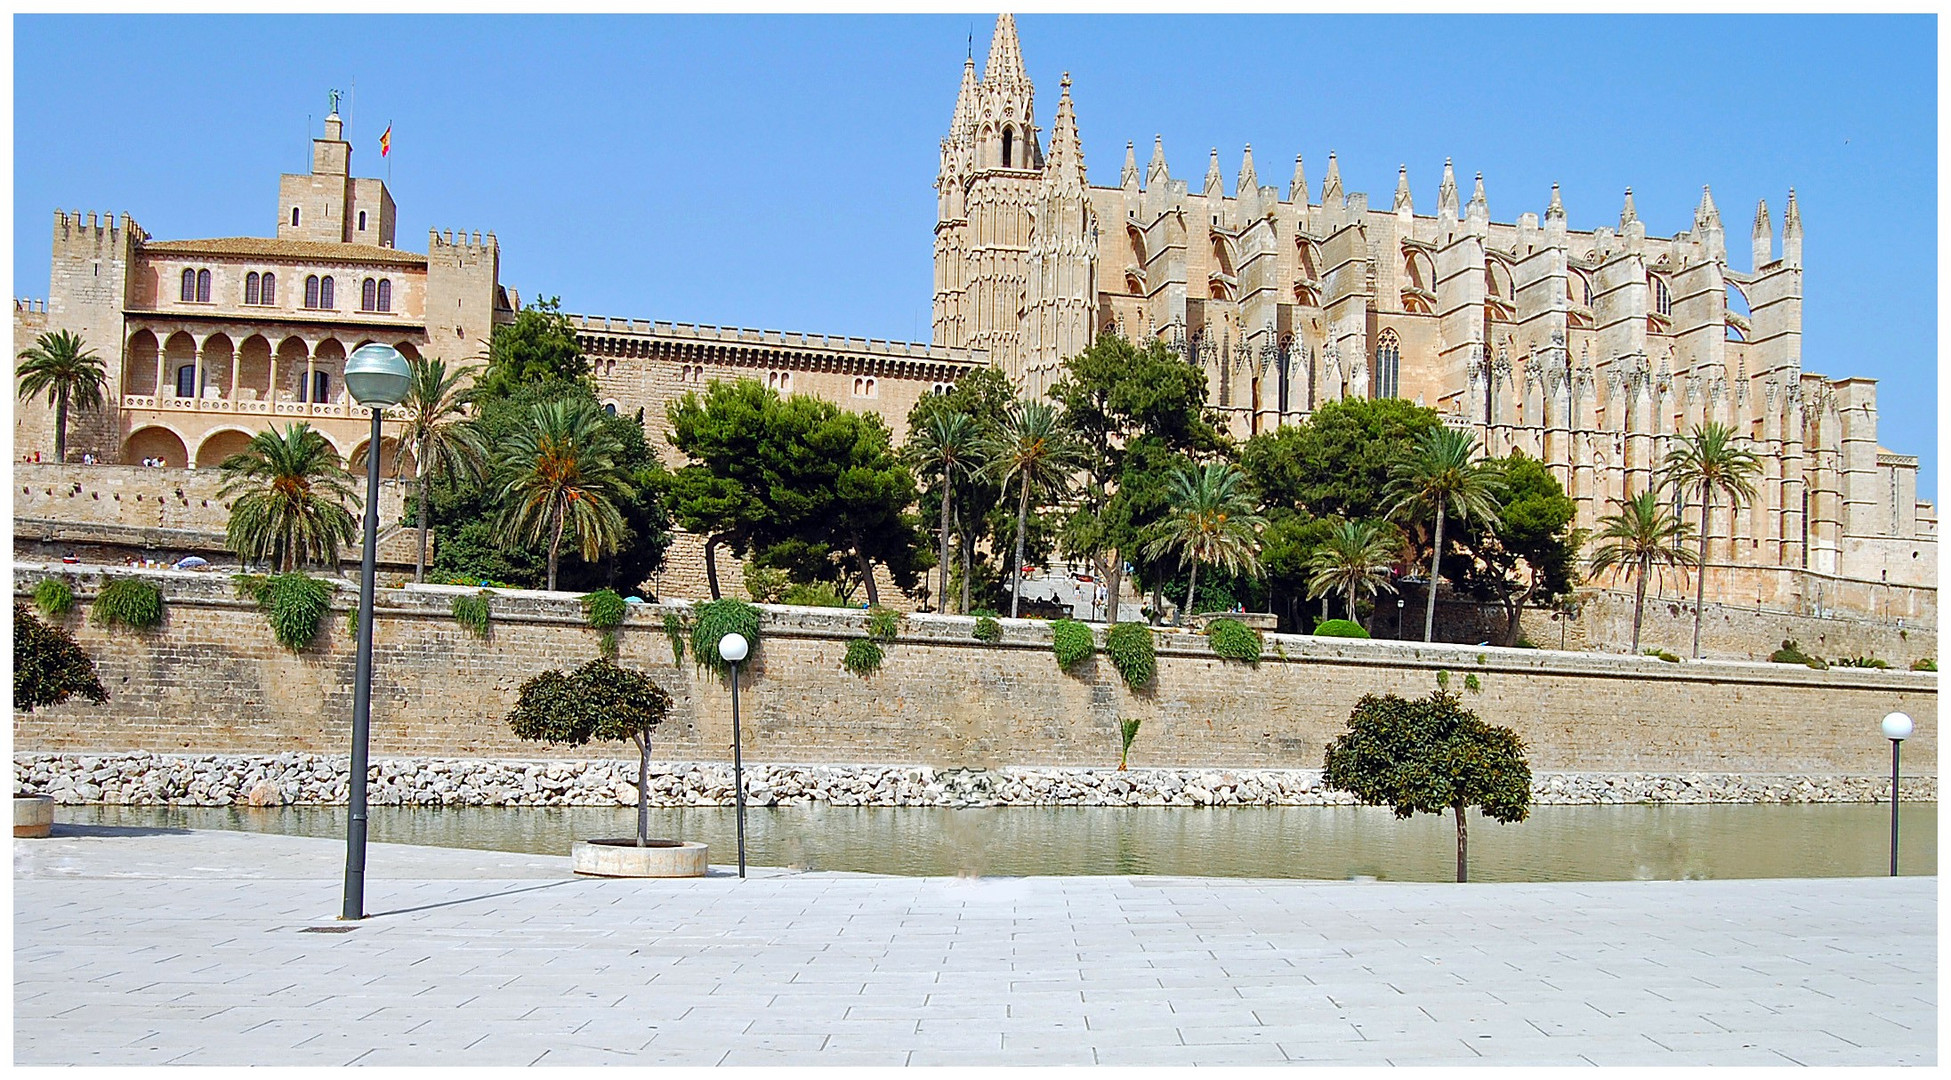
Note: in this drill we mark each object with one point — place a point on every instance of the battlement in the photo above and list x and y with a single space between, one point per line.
461 242
29 307
699 332
69 224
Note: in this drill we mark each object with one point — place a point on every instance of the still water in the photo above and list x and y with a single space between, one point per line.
1557 843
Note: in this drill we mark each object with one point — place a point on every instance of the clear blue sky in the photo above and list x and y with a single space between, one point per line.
779 172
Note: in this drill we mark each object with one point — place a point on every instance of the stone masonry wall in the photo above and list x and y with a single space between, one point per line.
212 680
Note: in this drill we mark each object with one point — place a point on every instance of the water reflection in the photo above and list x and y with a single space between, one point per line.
1557 843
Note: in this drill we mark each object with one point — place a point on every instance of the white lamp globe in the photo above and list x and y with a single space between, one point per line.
1897 726
377 376
732 648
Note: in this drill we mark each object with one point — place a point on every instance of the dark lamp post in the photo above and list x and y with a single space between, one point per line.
732 648
1896 727
377 378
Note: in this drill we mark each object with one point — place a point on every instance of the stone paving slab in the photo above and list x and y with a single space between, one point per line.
145 946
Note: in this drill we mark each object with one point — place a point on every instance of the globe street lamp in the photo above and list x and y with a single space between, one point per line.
1896 727
732 649
377 378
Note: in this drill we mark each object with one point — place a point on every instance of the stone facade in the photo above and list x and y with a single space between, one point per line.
213 680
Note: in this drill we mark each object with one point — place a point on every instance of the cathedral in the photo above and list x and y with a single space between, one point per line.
1590 350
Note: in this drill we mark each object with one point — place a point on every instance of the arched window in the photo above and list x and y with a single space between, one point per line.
325 292
203 286
186 381
386 297
609 407
368 295
250 287
311 290
1662 297
362 221
189 286
1009 145
267 288
321 383
1388 367
294 217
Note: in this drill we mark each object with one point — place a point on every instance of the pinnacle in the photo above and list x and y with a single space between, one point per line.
1005 54
1297 188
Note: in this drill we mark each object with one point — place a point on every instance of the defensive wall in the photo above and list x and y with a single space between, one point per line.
212 680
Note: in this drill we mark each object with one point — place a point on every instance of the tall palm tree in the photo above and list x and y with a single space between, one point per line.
1443 476
1355 560
438 435
62 366
560 478
291 495
945 446
1210 520
1706 463
1033 449
1641 534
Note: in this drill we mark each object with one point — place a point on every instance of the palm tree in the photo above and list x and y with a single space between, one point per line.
946 446
291 495
1641 534
560 478
62 366
1443 475
1355 560
1032 448
438 436
1706 463
1210 520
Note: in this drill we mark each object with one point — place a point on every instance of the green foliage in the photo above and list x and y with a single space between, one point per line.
863 657
604 609
1928 663
1234 640
1472 683
883 624
1127 733
49 668
1338 462
1672 659
1789 653
817 594
674 629
539 346
987 629
1442 679
1129 645
472 613
765 584
1339 628
1430 755
1527 556
1861 662
54 596
560 480
129 602
1034 452
1072 642
717 618
1211 520
62 366
290 496
979 518
294 604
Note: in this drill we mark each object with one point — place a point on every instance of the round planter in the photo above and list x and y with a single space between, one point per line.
33 815
623 858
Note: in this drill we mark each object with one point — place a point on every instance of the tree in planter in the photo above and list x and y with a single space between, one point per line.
1427 756
49 668
62 366
1641 535
596 701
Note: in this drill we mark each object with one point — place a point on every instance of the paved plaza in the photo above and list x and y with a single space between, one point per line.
155 945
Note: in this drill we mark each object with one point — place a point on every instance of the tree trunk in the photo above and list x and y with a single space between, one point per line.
1700 572
1158 601
1435 571
968 564
711 564
867 575
1114 585
555 546
1192 595
643 788
948 496
1351 602
1462 846
1016 568
61 425
420 494
1639 601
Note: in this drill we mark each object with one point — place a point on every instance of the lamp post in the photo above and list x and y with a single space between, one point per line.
1896 728
732 648
1399 605
376 376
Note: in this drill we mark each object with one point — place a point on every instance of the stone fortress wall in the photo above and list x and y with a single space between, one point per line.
212 680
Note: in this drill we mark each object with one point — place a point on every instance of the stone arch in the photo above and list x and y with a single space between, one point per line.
139 365
220 444
291 355
254 369
328 365
219 360
179 351
156 441
411 352
394 462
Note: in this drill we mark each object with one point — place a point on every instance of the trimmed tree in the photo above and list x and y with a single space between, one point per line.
49 668
596 701
1427 756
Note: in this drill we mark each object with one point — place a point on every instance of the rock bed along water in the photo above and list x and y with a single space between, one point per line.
1557 843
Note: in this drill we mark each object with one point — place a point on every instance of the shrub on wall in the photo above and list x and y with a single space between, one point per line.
54 597
472 613
129 602
1127 732
294 604
883 624
717 618
1340 628
1072 642
1234 640
1926 664
1670 658
49 668
818 594
604 611
1791 653
1861 662
674 629
863 657
1129 645
987 629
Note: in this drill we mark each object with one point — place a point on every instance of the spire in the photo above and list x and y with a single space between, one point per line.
1555 210
1297 188
1479 206
1005 55
1331 187
1065 150
1215 184
1627 215
1446 198
1129 178
1403 202
1764 236
1248 180
1155 172
1792 231
964 101
1707 213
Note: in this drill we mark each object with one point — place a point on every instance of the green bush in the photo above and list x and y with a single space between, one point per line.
863 657
596 701
818 594
1664 655
716 618
294 604
49 668
604 610
1442 679
1234 640
1129 645
1791 653
129 602
883 625
674 629
1472 683
54 596
1861 662
1072 641
463 579
764 584
1340 628
1526 643
1929 663
472 613
987 629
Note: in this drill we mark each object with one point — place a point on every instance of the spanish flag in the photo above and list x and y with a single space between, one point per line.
386 141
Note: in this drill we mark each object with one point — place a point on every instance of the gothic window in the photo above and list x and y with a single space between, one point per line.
203 286
368 295
386 296
1388 367
189 286
1662 296
294 217
1009 144
186 381
250 287
325 292
267 288
321 383
362 221
311 290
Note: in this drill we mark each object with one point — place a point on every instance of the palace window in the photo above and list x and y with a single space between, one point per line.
189 286
196 286
267 288
186 381
385 295
318 292
294 217
251 288
781 381
1388 368
362 221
